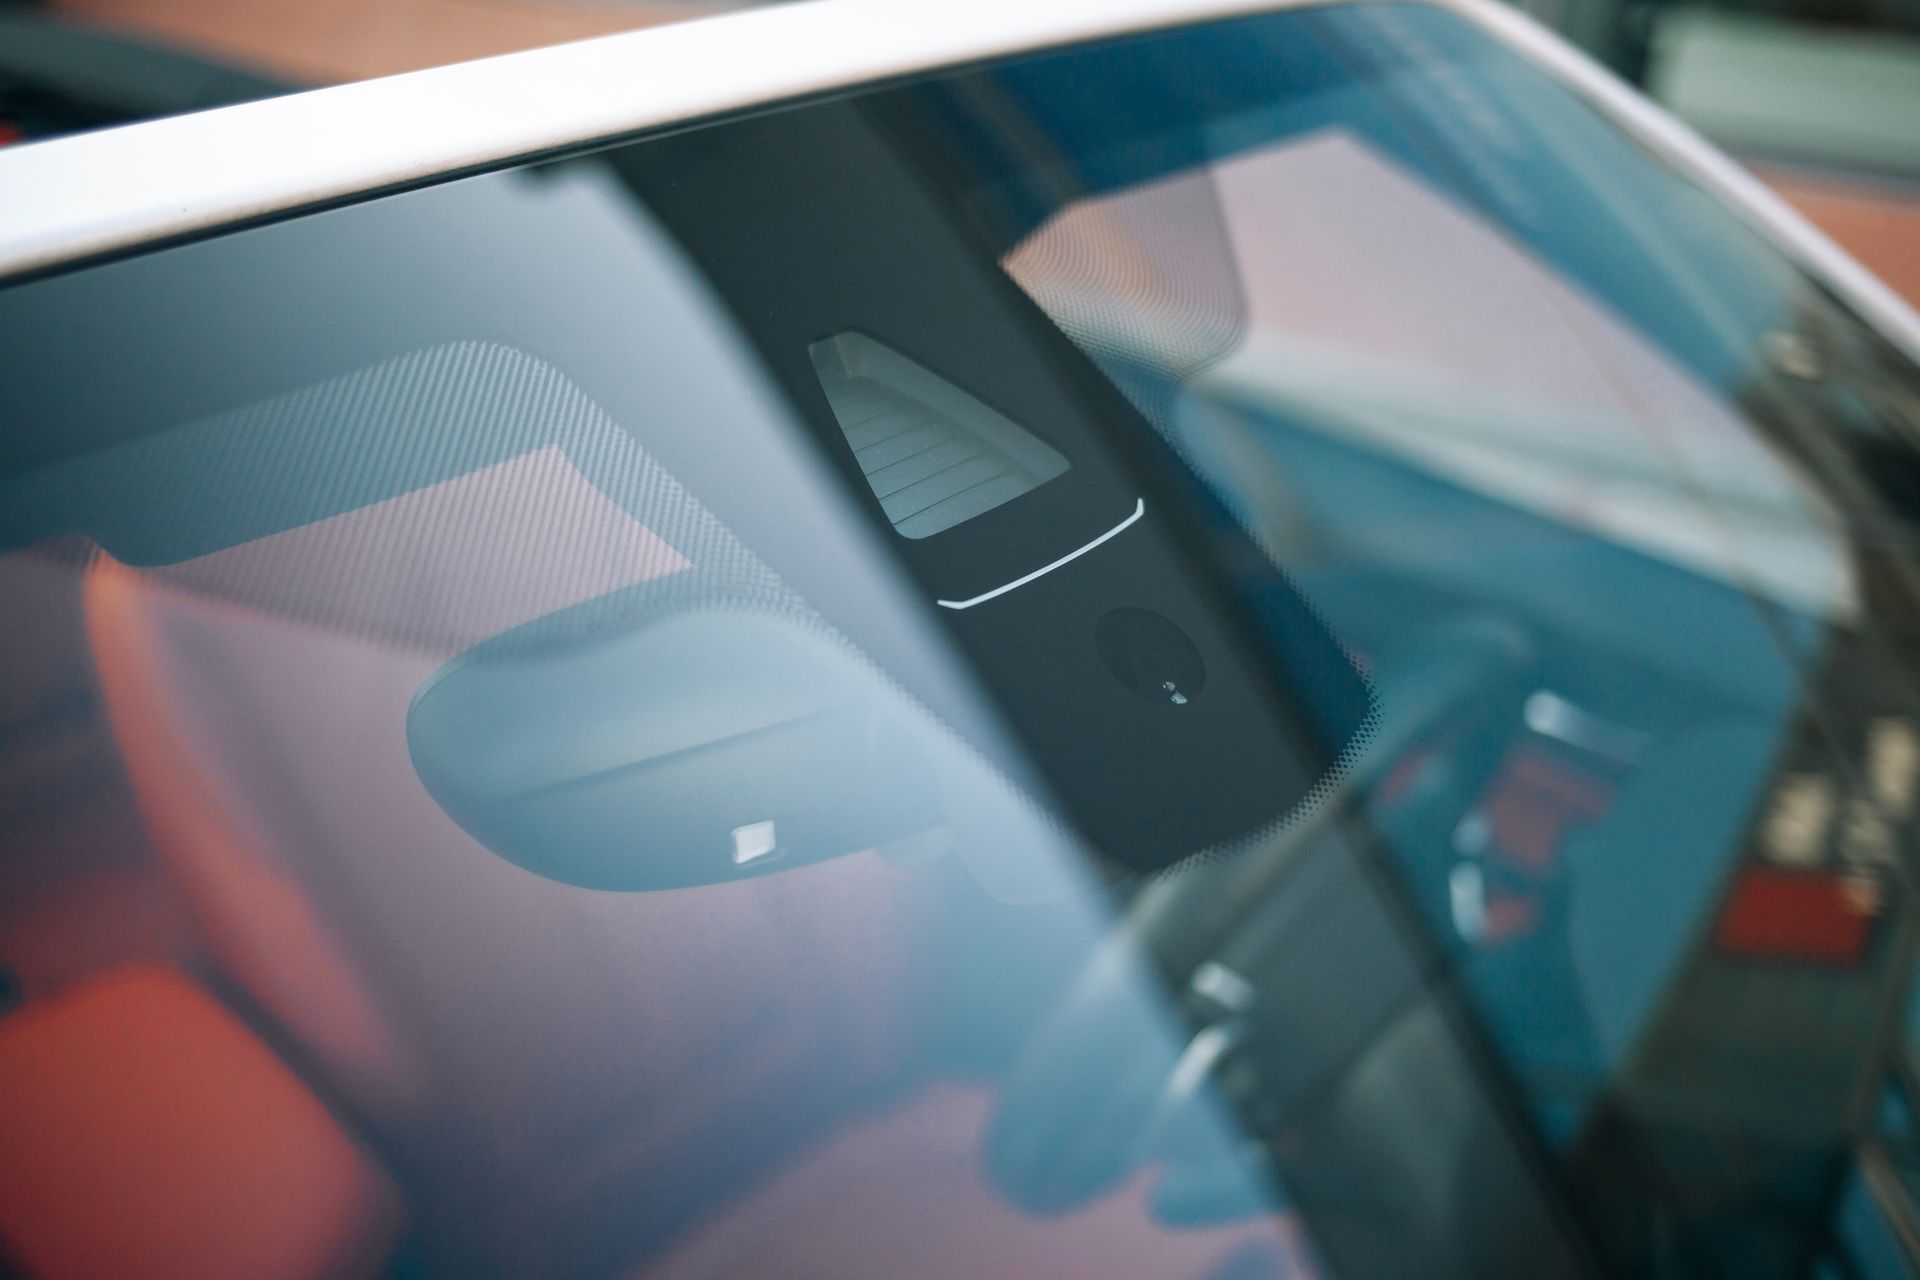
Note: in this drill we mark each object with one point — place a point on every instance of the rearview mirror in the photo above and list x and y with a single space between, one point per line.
696 748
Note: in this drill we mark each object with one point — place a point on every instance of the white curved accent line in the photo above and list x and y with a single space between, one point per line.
1139 509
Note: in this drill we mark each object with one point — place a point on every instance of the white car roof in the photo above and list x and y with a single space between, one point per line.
116 188
74 198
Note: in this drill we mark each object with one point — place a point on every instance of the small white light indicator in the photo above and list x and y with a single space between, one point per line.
754 842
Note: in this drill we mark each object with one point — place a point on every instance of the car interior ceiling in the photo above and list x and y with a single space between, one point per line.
286 680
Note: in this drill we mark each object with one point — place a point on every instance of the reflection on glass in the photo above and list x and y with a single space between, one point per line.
933 455
505 705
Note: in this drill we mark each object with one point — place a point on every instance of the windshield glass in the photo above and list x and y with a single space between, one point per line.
1262 650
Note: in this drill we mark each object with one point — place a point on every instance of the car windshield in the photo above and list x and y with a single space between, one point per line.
1261 650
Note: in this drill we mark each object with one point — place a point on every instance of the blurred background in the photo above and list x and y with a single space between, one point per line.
1821 97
